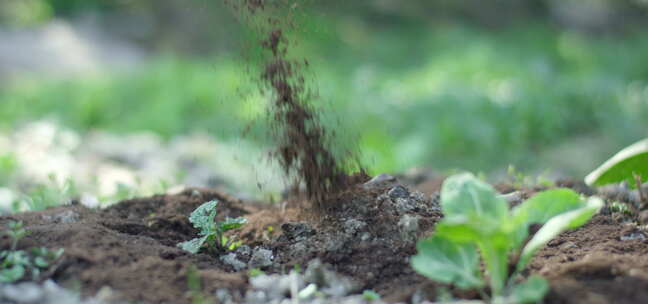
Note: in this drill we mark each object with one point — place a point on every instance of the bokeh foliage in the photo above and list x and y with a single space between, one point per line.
443 84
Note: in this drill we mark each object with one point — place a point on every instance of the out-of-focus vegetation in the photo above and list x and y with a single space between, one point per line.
438 84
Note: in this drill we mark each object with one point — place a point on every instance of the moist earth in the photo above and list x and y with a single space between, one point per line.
128 252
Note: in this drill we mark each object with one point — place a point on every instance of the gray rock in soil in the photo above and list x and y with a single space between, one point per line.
297 232
633 236
224 296
398 192
261 258
232 260
300 249
275 287
47 292
352 226
317 285
404 205
568 245
409 226
329 282
380 181
65 217
244 252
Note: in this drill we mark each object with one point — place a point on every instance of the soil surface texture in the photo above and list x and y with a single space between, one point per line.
365 242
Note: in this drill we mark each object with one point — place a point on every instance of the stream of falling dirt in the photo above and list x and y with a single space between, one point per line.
301 140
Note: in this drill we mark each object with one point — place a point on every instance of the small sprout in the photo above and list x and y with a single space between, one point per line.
297 268
16 264
195 286
618 207
307 292
16 232
255 272
212 233
370 295
478 222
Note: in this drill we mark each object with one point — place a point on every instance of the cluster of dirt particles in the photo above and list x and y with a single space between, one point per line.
302 148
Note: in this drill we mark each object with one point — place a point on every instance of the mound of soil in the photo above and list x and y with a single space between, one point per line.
368 239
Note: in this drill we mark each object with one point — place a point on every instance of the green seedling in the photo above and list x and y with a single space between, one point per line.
15 264
478 222
211 232
520 180
47 195
255 272
618 207
370 295
194 285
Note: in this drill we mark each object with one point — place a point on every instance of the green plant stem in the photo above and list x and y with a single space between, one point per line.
14 243
642 196
484 295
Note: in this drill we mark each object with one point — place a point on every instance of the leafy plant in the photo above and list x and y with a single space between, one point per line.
16 264
478 222
212 233
47 195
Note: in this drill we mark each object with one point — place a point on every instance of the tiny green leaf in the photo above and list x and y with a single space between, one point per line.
448 262
622 166
558 224
41 262
370 295
232 223
531 291
193 245
203 217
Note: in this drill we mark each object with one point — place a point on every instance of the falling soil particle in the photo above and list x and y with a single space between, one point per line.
302 143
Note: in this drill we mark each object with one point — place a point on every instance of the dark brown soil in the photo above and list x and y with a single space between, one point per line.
131 247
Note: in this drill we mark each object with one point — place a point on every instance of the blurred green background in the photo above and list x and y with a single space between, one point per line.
554 85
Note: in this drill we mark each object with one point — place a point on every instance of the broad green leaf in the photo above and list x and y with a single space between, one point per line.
41 262
194 245
445 261
558 224
232 223
13 274
622 166
18 257
533 290
464 195
203 217
540 208
458 231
